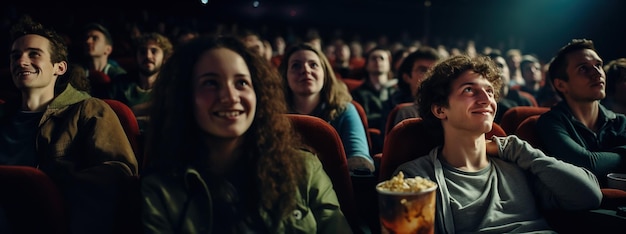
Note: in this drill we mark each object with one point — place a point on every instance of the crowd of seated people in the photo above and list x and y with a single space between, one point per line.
132 58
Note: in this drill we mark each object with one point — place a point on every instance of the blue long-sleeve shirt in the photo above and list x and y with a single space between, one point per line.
352 133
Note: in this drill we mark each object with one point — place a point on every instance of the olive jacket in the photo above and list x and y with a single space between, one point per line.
184 204
81 144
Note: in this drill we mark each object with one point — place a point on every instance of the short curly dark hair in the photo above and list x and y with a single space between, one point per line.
436 88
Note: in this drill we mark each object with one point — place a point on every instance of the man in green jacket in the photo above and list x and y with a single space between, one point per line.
76 139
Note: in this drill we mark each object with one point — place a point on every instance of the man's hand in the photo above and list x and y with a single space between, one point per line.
492 148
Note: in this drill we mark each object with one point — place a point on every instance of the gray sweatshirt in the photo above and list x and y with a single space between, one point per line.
508 195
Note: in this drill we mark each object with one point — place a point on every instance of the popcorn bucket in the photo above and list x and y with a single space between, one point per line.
407 212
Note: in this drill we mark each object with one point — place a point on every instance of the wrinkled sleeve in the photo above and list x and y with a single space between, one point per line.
558 142
559 184
105 140
153 213
323 200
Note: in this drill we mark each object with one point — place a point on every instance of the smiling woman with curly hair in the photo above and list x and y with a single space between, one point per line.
223 156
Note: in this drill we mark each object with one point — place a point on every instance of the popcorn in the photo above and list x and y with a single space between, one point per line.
399 184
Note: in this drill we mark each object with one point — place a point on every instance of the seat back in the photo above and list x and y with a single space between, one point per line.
326 143
130 125
391 118
31 201
8 91
100 83
352 83
530 97
526 131
513 117
369 132
410 139
129 63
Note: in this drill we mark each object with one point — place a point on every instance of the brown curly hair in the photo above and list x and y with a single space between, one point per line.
161 41
436 87
173 136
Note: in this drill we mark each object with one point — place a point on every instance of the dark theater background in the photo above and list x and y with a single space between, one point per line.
539 27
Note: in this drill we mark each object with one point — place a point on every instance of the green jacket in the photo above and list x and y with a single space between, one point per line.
165 196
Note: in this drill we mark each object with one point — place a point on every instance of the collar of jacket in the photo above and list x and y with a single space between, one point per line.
69 96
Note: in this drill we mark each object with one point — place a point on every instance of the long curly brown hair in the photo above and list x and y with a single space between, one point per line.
173 136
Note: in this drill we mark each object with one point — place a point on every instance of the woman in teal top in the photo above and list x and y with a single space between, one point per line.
312 89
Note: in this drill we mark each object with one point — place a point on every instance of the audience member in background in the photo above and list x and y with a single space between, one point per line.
368 46
501 193
411 72
376 90
75 139
329 51
224 157
443 51
531 72
278 50
98 47
615 86
357 61
579 129
312 89
341 63
547 96
508 97
254 41
513 59
314 38
152 51
470 49
268 50
397 57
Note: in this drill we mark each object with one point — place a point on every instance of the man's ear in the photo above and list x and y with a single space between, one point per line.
60 68
438 111
108 49
560 85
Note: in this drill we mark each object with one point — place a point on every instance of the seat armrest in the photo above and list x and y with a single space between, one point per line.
613 198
